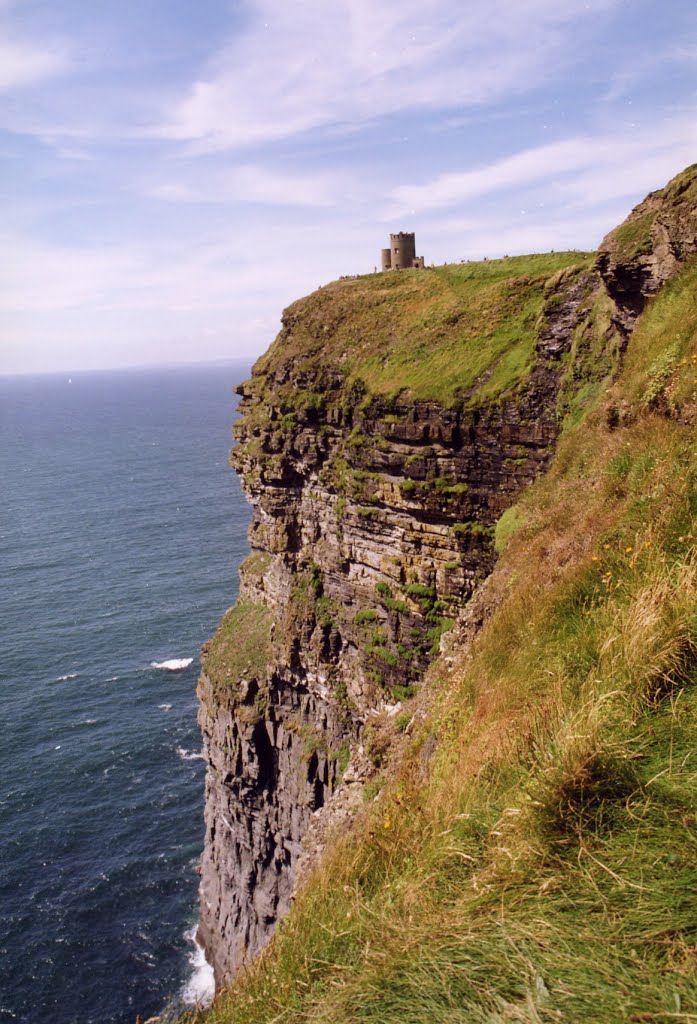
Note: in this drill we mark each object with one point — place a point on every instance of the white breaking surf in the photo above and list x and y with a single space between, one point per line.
200 988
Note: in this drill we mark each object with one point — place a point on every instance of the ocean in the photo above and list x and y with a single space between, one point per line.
121 531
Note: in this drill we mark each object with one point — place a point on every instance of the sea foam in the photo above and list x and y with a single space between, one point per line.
189 755
200 988
172 664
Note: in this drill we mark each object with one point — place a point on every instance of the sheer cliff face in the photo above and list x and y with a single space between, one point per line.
375 499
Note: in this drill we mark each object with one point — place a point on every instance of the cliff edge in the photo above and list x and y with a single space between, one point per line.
389 444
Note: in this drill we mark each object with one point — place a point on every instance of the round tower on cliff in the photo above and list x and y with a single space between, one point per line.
402 250
386 259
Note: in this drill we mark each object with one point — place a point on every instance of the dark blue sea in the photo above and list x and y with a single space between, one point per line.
121 531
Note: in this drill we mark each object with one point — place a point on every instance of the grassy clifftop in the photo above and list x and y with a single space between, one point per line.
433 333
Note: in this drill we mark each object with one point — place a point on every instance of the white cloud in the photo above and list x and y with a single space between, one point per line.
237 270
302 66
69 306
22 65
41 277
297 215
539 231
633 72
255 184
582 170
453 189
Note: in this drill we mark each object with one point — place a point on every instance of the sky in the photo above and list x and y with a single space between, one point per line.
175 172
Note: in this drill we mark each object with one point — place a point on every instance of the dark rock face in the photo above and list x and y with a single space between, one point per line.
264 781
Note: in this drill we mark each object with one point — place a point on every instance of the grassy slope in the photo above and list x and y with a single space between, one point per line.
545 867
432 332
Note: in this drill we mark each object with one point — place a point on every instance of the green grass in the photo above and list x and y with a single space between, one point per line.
532 855
472 529
364 616
438 333
633 238
511 520
240 648
256 564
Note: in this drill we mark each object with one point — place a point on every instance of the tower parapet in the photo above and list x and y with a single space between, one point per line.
402 252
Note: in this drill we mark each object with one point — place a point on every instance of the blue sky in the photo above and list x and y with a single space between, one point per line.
174 172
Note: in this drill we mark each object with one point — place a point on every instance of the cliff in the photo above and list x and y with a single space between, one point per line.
374 513
385 442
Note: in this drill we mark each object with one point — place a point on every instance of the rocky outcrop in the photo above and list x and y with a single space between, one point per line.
649 247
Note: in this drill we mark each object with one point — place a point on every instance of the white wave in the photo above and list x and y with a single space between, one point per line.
112 679
145 958
68 675
189 755
172 664
165 707
200 988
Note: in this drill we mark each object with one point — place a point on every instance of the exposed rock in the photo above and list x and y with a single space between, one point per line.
648 248
265 778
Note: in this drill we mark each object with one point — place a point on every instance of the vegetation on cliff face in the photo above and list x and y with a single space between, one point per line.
240 647
532 855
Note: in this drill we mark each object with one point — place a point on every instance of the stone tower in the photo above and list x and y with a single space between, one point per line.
402 252
403 249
